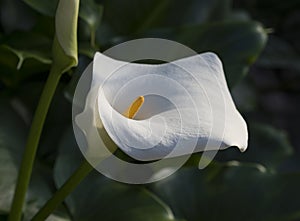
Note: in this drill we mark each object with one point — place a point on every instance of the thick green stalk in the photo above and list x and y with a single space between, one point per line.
32 144
84 169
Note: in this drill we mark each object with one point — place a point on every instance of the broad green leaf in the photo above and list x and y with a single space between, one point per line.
230 192
267 146
237 43
134 16
8 176
65 41
46 7
26 45
113 200
22 55
127 17
26 52
12 140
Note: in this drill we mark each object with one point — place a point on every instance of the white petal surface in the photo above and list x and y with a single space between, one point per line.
188 107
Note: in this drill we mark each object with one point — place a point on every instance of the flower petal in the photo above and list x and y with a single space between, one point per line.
187 108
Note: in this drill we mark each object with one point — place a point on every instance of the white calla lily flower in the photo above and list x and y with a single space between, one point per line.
161 111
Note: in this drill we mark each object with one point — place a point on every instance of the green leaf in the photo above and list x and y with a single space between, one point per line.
237 43
8 176
135 15
65 41
46 7
139 16
23 54
113 200
12 141
230 192
267 146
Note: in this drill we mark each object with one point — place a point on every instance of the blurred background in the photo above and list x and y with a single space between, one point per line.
258 42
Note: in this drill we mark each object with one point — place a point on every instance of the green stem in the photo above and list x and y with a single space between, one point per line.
32 144
93 38
84 169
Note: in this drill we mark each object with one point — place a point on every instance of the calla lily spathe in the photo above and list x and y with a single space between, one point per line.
187 107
